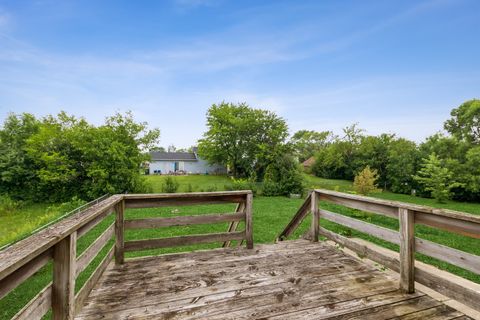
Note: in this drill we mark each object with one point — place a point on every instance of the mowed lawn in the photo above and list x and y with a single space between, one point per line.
270 216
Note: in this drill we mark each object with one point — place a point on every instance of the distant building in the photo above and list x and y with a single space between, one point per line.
181 163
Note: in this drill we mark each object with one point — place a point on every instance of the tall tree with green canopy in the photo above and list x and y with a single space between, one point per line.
465 122
69 157
436 179
244 138
306 143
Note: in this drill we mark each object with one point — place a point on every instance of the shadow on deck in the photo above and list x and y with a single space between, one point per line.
289 280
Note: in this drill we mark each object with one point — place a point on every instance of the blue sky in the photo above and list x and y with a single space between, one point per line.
391 66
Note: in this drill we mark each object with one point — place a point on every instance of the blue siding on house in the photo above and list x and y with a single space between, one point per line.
164 162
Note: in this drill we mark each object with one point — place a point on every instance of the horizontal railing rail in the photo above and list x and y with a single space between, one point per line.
242 213
58 244
408 216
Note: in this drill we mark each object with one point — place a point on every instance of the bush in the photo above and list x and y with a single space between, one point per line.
190 188
365 181
242 184
283 177
8 205
170 185
68 206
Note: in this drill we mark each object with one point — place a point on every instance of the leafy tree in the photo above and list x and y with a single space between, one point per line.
436 179
69 157
465 122
17 169
245 139
283 177
365 181
306 143
403 157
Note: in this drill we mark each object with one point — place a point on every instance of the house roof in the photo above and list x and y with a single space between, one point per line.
182 156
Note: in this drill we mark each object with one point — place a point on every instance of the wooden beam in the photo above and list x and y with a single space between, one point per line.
36 308
23 273
249 221
119 232
407 250
176 202
183 240
361 204
451 224
92 224
63 287
297 219
234 224
448 284
92 280
92 251
368 228
314 209
183 220
27 249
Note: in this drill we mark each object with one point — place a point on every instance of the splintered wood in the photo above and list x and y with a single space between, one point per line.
289 280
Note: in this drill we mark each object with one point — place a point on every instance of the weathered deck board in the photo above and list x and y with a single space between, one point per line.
289 280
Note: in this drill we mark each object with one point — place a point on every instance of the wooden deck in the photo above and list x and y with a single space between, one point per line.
294 279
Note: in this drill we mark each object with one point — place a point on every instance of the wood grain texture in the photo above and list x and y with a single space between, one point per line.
449 220
23 273
314 209
183 240
151 223
63 287
249 221
288 280
234 224
37 307
92 251
120 232
443 282
297 219
407 250
92 280
25 250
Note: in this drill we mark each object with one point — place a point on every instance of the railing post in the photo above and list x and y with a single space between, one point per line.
248 220
407 250
119 232
63 287
315 216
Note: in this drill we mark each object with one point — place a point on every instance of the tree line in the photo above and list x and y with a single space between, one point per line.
445 165
59 157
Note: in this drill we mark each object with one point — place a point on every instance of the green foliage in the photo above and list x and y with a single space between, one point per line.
170 185
283 177
63 156
365 181
465 122
66 207
9 205
306 143
436 179
245 139
242 184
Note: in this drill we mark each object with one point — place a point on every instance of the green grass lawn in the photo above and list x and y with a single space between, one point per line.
270 216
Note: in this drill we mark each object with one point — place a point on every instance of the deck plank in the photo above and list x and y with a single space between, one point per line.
290 280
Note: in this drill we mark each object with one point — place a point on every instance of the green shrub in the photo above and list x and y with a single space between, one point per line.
242 184
283 177
8 205
68 206
211 188
365 181
190 188
170 185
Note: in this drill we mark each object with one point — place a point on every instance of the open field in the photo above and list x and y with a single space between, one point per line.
270 216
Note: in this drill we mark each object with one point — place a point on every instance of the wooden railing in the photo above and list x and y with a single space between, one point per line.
408 216
58 243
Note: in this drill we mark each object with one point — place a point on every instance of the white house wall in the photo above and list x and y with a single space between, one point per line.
195 167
